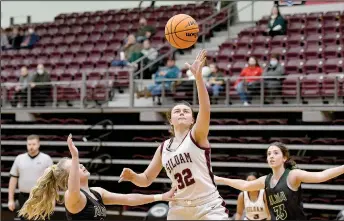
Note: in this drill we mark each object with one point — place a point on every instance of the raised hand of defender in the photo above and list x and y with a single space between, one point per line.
169 196
72 149
126 175
196 66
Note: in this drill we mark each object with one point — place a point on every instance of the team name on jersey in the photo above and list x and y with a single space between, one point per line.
254 209
277 198
99 211
176 160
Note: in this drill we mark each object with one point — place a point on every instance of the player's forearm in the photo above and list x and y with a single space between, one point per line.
74 177
331 173
203 96
138 199
12 187
235 183
237 216
141 180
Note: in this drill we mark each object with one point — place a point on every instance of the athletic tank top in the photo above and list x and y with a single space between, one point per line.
255 210
188 167
93 210
284 203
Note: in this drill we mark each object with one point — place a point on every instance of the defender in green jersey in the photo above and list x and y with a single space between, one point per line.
283 185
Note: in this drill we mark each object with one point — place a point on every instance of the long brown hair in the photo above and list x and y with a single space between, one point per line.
45 194
168 115
289 163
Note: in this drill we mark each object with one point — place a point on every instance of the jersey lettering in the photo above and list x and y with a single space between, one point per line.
177 160
185 180
280 212
99 211
256 216
277 198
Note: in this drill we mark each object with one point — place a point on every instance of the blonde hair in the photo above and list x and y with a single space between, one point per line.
45 194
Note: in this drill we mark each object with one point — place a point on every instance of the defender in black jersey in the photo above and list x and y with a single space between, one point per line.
81 202
283 185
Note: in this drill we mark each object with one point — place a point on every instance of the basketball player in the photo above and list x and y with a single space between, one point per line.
81 202
186 158
283 185
253 203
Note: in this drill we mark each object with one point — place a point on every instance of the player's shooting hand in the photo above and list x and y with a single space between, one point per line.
126 175
196 67
73 150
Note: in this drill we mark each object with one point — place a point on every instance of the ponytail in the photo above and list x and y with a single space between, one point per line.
290 164
43 196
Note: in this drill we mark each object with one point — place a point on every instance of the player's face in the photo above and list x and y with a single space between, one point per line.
181 115
32 146
251 177
83 172
275 157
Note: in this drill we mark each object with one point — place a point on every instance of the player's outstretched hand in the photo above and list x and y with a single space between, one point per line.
196 67
126 175
72 149
169 196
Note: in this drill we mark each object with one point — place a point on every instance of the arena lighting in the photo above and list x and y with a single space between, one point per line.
157 212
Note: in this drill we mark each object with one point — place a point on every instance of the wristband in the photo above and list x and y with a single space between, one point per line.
158 197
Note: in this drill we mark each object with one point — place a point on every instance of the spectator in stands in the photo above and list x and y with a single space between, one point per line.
169 71
249 80
40 93
4 40
130 52
145 31
215 82
30 39
26 170
151 54
277 24
20 93
16 38
275 72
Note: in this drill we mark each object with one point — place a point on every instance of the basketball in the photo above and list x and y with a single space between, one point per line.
181 31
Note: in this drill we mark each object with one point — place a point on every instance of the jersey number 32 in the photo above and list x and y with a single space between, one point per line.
184 179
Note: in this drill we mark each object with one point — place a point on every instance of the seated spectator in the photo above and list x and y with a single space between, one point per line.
20 93
4 40
145 31
30 39
215 82
151 54
248 81
169 71
277 24
130 52
16 38
40 94
275 71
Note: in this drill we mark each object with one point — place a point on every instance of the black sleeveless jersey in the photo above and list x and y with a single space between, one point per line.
93 210
284 203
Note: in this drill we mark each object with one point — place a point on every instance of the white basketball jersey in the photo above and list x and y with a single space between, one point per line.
188 166
255 210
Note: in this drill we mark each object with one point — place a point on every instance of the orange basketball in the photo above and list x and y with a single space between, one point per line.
181 31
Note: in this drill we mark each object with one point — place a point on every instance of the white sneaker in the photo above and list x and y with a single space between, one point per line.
246 103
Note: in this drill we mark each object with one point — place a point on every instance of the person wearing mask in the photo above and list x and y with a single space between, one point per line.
151 54
30 39
26 170
215 82
145 31
277 24
40 93
273 83
21 90
249 80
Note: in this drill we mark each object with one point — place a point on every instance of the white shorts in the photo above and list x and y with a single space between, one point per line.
211 208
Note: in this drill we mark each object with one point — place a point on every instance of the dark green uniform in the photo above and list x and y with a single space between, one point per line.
284 203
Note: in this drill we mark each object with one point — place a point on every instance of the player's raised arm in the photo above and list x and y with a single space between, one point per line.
201 128
242 185
298 176
73 194
148 176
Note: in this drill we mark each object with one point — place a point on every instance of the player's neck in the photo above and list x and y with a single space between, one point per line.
180 134
278 172
84 186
